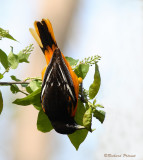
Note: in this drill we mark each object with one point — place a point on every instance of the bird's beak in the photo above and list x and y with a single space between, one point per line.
78 127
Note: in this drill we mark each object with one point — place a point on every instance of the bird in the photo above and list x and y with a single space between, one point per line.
60 85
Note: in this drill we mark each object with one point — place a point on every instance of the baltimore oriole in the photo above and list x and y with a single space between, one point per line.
60 87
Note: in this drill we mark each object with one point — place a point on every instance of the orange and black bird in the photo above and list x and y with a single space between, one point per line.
60 87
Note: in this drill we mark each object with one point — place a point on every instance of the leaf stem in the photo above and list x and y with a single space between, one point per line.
7 70
23 92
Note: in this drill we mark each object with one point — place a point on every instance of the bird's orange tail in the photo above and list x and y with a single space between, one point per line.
44 36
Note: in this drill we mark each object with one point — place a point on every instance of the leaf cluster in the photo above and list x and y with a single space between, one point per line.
87 108
5 34
11 61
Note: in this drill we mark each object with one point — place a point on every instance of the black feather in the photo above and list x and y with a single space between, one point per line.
45 36
57 87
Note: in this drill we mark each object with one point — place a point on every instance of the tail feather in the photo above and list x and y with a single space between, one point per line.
36 37
44 36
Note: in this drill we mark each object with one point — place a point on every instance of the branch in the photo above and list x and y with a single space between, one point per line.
11 83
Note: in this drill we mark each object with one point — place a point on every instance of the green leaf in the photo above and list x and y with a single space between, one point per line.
13 60
1 76
94 101
87 119
72 61
3 59
79 136
32 98
23 57
14 88
5 34
24 54
81 70
100 115
1 102
14 78
99 105
94 87
38 106
24 85
34 85
28 89
43 122
80 113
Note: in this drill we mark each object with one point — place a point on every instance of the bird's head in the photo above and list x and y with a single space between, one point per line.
64 128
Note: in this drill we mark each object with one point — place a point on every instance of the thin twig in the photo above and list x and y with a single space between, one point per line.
7 70
23 92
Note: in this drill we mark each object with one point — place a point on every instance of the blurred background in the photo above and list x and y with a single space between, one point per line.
112 29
